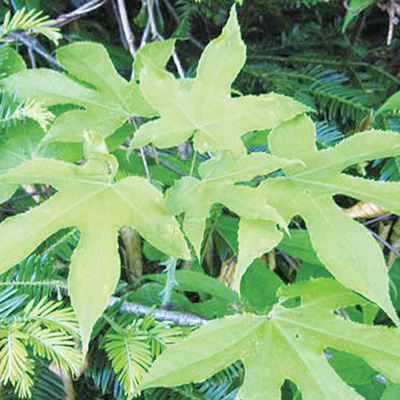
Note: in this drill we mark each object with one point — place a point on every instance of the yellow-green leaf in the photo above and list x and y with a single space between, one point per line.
204 107
344 246
89 200
288 343
220 176
107 99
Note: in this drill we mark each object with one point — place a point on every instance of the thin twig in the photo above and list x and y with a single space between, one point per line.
32 59
142 153
392 7
152 20
178 65
174 14
386 244
32 43
377 219
144 161
79 12
126 28
145 35
155 156
157 36
178 318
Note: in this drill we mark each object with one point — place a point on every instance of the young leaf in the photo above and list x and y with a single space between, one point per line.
92 83
298 334
344 246
218 185
204 107
89 200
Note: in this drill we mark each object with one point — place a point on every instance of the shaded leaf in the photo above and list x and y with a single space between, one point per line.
259 286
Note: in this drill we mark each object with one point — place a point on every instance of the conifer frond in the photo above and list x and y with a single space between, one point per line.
54 346
31 21
9 302
328 134
162 335
34 109
130 356
327 90
52 315
13 110
44 330
34 277
9 109
47 385
15 365
102 375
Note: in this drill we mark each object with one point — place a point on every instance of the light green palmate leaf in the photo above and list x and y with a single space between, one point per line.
203 107
91 83
344 246
155 54
88 199
218 184
298 335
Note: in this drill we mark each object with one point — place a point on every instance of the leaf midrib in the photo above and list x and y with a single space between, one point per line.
335 189
327 333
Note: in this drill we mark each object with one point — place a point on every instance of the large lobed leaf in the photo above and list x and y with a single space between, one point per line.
203 107
91 83
344 246
89 200
298 335
218 184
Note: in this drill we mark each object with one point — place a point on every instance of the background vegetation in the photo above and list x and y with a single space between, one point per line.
294 47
